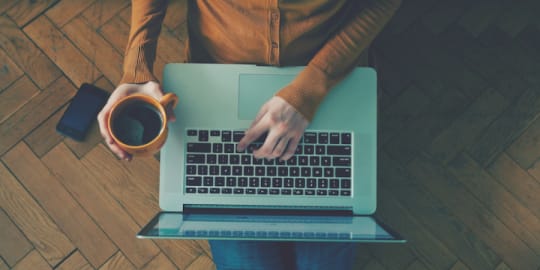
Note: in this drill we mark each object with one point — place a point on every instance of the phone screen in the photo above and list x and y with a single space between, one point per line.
82 111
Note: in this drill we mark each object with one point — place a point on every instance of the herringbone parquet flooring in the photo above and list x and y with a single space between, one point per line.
459 142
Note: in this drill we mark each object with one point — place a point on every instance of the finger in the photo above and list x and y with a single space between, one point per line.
103 127
121 154
291 149
265 151
257 130
280 147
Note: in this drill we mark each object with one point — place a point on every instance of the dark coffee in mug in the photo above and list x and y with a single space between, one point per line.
137 123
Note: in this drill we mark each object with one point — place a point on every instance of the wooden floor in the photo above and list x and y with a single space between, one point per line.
459 140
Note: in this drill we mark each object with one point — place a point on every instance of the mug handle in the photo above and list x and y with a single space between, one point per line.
169 99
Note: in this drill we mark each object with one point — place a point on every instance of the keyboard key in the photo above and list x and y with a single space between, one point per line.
208 181
277 182
214 190
309 149
298 192
342 161
320 150
219 181
346 183
288 182
231 181
314 161
305 171
334 183
254 182
226 190
274 191
202 170
246 159
214 170
199 147
317 172
238 135
326 161
195 158
238 191
250 191
191 169
338 150
203 135
300 182
248 171
286 192
193 181
294 171
333 192
303 160
202 190
345 193
321 192
225 170
334 138
271 171
215 133
229 148
234 159
237 170
191 190
328 172
265 182
323 138
343 172
242 181
345 138
217 148
309 138
283 171
226 136
211 159
310 192
192 132
262 191
311 182
223 159
291 161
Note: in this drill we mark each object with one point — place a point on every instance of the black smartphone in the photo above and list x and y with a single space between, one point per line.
82 111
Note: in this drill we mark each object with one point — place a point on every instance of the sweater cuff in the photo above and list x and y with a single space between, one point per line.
138 65
306 92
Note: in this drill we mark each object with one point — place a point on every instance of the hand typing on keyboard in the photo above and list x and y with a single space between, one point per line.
284 127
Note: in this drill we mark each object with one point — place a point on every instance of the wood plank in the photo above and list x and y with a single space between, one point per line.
503 131
433 253
34 113
392 256
9 71
25 53
95 48
32 261
5 5
100 204
75 261
374 264
64 11
481 14
15 96
45 137
25 11
526 149
202 262
502 266
64 54
419 133
14 245
459 266
436 218
102 11
160 262
444 14
473 214
462 132
417 265
498 200
3 265
32 220
118 261
116 32
59 204
399 113
135 186
524 187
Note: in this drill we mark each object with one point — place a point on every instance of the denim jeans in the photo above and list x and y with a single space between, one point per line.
259 255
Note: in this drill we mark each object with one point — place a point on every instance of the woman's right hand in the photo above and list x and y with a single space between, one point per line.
151 88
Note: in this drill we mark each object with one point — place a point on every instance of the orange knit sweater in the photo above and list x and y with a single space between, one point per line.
327 36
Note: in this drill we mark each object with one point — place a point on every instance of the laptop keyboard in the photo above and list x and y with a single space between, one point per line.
321 165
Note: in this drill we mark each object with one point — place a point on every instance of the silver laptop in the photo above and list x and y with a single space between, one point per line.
208 190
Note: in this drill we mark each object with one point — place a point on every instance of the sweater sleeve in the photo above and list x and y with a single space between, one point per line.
146 19
337 57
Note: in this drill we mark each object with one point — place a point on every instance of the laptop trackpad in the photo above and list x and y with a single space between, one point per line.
255 89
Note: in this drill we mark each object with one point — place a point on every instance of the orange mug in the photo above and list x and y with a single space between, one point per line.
138 123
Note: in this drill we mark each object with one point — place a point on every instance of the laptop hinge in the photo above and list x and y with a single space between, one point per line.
265 210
